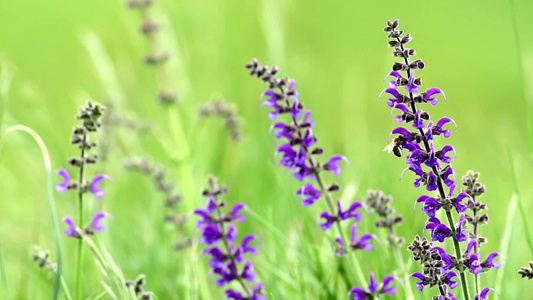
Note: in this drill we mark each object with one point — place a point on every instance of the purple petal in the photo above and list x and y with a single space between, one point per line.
71 229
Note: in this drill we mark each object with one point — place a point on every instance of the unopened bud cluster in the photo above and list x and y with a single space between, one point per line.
527 272
137 286
380 203
157 57
167 187
42 258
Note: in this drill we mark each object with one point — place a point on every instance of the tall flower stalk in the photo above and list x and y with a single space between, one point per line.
299 153
228 259
433 169
89 117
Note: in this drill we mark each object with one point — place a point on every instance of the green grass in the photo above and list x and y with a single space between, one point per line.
61 53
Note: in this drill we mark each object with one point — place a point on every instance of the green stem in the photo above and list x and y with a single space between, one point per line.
81 190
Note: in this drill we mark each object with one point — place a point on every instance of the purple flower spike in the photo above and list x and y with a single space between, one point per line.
411 87
484 292
309 194
332 164
71 229
98 192
441 122
97 218
63 186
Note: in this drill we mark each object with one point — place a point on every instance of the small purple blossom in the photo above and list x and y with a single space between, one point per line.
374 288
64 185
309 194
96 223
93 187
333 164
71 229
439 231
483 294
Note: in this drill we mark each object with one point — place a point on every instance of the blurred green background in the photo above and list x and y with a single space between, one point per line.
64 52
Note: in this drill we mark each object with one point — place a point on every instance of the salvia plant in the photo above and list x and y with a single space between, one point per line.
89 118
453 216
299 154
228 258
172 198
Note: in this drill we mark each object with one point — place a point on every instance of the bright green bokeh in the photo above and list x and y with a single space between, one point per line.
339 56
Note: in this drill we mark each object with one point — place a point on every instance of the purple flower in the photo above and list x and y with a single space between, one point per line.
431 205
437 129
445 257
432 159
432 181
71 229
418 123
450 295
63 186
422 283
442 154
411 87
248 271
461 234
489 263
211 234
391 90
308 139
358 242
473 258
433 91
350 212
217 256
451 283
483 294
309 194
332 164
98 192
359 293
296 111
446 176
234 213
439 231
403 108
96 220
282 130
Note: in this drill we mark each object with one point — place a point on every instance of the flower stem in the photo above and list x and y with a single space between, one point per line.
81 190
436 170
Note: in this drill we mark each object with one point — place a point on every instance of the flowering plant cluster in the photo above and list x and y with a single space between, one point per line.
228 260
433 170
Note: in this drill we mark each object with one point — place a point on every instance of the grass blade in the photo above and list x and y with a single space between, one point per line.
49 193
506 239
